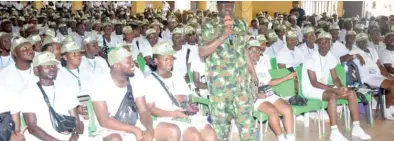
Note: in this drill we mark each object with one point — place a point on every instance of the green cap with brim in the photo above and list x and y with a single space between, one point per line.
70 48
34 39
88 40
177 31
324 35
16 42
117 54
261 39
361 36
291 34
49 40
253 43
45 58
163 48
150 31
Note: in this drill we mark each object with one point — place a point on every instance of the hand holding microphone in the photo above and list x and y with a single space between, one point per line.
228 29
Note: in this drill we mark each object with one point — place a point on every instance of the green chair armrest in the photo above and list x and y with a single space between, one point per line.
201 100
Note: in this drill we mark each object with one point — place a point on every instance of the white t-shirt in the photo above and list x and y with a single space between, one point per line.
272 51
262 67
180 67
6 61
15 81
9 102
78 38
65 78
342 35
114 41
93 67
379 47
386 57
156 93
370 67
146 48
338 49
300 36
198 66
105 89
60 100
166 35
291 58
307 51
321 65
254 32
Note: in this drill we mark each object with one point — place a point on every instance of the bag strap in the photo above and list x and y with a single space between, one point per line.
138 45
187 56
129 91
166 88
44 94
104 44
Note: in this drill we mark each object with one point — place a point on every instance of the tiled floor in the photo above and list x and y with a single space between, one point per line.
381 131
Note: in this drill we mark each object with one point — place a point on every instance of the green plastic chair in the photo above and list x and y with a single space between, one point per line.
287 89
141 63
274 64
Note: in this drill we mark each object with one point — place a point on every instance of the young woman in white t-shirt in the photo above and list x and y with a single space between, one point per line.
268 102
372 72
193 127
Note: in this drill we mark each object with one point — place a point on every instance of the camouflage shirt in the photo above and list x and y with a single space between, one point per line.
227 58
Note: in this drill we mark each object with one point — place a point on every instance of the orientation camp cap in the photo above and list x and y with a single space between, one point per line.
334 27
253 43
34 39
351 32
117 54
307 30
261 39
50 39
45 58
127 29
291 34
177 31
88 40
361 37
150 31
70 47
16 42
324 35
163 48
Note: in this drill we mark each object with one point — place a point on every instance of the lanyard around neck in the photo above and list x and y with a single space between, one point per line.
77 77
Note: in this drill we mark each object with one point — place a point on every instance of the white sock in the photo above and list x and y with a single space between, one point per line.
356 124
281 137
334 128
290 137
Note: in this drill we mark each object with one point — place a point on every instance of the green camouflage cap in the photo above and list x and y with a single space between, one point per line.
16 42
70 47
117 54
253 43
320 30
307 30
334 27
177 31
388 34
324 35
157 24
359 27
34 39
189 30
50 32
272 36
45 58
291 34
172 19
127 29
163 48
351 32
261 39
5 34
50 39
88 40
68 39
361 36
150 31
281 27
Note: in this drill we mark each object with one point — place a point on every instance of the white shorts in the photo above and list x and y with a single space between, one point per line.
374 80
315 93
101 133
197 121
271 99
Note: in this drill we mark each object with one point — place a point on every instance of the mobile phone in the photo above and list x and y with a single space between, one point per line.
291 69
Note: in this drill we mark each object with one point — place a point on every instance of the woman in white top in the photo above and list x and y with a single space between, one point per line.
272 49
290 56
194 127
309 46
372 72
267 101
108 40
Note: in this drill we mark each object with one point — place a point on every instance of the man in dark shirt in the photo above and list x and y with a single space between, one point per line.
299 12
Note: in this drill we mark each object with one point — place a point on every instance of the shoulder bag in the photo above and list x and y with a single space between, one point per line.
128 110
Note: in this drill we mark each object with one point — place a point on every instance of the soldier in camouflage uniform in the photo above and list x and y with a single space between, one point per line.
228 71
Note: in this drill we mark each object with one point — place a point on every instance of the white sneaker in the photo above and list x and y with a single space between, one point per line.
391 109
358 132
337 136
388 115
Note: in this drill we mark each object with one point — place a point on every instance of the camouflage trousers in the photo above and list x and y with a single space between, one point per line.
232 99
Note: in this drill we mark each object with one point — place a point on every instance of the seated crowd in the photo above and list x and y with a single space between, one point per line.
131 76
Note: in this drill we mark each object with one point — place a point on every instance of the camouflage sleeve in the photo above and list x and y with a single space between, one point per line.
209 31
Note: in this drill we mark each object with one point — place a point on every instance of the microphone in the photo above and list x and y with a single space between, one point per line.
229 22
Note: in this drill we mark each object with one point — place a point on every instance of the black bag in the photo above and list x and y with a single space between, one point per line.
298 101
61 123
7 126
128 110
189 108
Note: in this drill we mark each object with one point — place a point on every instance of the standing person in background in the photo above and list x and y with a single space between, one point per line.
228 78
299 12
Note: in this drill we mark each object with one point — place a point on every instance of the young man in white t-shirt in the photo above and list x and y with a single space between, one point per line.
5 45
162 105
268 102
290 56
372 72
315 73
35 109
90 61
108 93
272 48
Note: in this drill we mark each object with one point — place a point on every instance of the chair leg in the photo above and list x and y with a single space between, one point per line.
345 116
294 126
261 131
348 119
266 126
323 122
381 102
318 124
370 113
